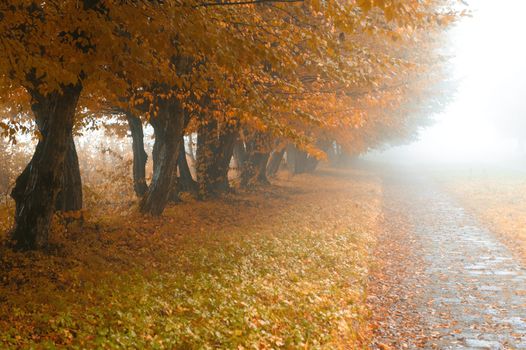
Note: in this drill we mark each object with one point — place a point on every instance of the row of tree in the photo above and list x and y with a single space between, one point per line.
254 79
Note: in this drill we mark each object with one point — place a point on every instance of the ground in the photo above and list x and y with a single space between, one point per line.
285 266
455 285
369 257
498 199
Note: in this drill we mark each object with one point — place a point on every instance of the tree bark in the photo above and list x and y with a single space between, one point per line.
191 148
299 162
168 128
262 163
36 189
311 163
296 159
186 181
253 169
70 196
215 146
139 154
275 161
239 153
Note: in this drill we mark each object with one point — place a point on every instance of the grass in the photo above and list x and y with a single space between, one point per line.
285 267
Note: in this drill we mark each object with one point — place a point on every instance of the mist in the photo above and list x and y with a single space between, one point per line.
486 121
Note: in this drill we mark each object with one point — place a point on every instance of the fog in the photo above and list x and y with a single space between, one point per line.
487 118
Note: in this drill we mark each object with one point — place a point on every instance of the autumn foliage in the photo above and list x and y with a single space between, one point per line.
250 78
110 110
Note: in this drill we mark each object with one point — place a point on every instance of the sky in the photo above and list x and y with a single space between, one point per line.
489 109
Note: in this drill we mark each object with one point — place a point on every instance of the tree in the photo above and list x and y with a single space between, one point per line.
305 72
54 51
139 154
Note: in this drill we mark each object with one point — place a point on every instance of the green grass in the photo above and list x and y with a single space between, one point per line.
288 271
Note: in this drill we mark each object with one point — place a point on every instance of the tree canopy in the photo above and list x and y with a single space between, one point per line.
356 73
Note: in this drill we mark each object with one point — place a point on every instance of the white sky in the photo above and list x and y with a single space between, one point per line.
490 105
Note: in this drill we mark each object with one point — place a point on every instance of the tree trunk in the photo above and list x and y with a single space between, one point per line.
70 196
186 182
239 153
291 158
311 164
253 169
332 153
299 162
215 146
139 154
296 159
36 189
191 148
275 161
262 163
168 128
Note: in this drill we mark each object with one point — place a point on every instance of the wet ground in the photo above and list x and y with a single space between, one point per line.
458 287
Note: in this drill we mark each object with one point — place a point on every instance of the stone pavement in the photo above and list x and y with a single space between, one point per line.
474 294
